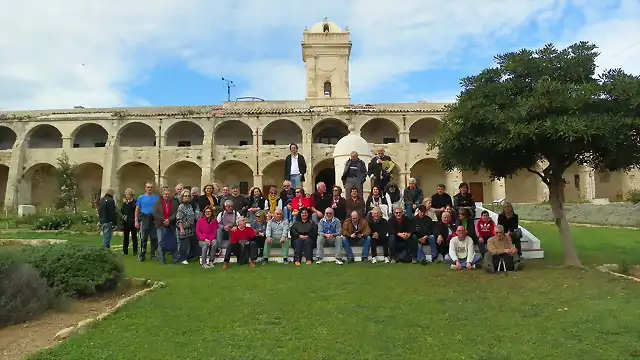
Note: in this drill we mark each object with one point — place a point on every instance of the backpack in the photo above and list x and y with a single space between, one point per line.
169 241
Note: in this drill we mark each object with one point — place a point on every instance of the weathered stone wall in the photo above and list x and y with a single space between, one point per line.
615 214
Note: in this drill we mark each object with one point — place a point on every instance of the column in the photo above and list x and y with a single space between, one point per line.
109 168
498 190
453 180
67 143
206 176
543 190
402 181
157 168
257 180
587 183
307 144
12 195
403 137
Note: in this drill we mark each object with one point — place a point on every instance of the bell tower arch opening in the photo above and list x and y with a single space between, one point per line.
326 49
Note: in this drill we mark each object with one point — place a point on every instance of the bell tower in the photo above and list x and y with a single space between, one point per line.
325 51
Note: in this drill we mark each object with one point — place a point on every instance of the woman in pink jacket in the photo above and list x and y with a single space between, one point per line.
206 230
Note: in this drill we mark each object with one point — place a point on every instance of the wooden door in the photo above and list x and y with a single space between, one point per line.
476 189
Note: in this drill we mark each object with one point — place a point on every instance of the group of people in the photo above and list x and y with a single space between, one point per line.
188 224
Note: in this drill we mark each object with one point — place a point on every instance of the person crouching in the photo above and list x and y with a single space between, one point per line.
241 241
500 249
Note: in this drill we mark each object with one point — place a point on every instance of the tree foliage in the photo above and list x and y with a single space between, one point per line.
68 184
543 111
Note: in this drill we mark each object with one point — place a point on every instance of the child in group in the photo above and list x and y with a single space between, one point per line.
484 228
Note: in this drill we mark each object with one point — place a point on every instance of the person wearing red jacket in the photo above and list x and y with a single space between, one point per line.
299 201
484 230
240 240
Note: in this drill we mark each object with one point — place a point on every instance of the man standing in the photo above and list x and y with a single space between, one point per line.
144 221
355 173
295 167
379 177
107 215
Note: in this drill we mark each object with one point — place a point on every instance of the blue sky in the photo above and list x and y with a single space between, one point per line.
174 52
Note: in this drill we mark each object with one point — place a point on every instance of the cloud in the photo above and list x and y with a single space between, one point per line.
61 53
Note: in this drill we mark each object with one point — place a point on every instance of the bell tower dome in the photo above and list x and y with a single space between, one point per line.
325 51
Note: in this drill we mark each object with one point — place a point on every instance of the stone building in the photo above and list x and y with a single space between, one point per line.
245 142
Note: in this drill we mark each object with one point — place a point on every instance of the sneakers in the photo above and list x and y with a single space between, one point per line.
414 261
393 261
440 258
339 262
374 260
386 260
319 261
184 262
453 267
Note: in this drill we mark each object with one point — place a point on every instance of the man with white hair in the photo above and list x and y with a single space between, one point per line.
330 230
462 253
320 200
228 219
354 174
379 177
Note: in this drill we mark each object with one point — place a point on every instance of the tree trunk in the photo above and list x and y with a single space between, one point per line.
556 194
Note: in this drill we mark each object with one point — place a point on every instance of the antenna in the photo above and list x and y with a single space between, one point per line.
229 84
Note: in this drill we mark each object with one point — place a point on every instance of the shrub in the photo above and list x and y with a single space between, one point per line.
633 196
76 270
23 293
64 221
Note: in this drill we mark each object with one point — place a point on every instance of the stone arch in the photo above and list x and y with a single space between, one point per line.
429 174
44 136
380 131
233 172
186 172
233 133
4 181
329 131
134 175
136 134
184 133
281 132
7 138
89 181
39 186
89 135
423 130
273 174
325 171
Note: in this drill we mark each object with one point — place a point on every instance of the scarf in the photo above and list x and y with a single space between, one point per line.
212 202
273 202
166 208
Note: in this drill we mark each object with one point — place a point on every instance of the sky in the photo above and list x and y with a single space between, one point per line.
93 53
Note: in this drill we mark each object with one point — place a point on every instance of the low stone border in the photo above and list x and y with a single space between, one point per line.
581 224
84 325
32 241
612 268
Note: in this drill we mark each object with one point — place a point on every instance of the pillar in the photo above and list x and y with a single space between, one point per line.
206 176
157 168
109 168
12 195
67 143
454 178
402 181
587 183
498 190
307 144
257 180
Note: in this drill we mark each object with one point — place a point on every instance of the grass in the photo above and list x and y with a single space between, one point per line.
366 311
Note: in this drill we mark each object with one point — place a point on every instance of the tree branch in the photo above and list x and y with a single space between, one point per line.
544 178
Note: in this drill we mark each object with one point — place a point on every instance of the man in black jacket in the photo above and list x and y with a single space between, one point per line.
401 236
379 177
295 167
379 235
424 233
107 216
354 174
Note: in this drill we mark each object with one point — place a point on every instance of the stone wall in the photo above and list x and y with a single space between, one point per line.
615 214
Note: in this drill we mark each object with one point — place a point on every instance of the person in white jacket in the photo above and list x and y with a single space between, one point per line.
462 252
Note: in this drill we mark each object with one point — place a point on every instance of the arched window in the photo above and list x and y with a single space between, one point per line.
327 89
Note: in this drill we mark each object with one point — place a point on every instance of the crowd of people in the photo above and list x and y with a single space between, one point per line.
187 224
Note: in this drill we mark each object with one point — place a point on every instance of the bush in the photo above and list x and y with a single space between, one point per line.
23 293
64 221
76 270
633 196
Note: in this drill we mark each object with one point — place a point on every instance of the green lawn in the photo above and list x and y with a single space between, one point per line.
364 311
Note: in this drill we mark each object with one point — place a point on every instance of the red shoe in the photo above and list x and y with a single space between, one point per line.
308 262
252 265
297 263
225 266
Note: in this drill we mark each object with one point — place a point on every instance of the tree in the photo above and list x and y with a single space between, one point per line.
543 111
68 184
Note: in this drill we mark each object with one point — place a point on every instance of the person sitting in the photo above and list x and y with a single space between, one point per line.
241 240
509 220
355 203
443 231
464 219
255 203
379 235
431 212
394 196
441 199
271 202
462 253
484 227
401 237
259 226
286 197
227 220
277 232
338 204
300 201
464 200
208 198
356 231
330 230
377 200
303 234
206 231
500 249
412 197
320 200
424 233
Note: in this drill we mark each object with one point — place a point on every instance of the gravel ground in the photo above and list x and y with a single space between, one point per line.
617 214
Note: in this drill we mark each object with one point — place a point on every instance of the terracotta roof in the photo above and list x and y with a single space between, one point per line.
220 110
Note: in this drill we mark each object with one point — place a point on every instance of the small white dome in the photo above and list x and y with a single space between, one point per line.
351 143
321 27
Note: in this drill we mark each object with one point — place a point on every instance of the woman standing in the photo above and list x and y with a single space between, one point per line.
186 220
128 214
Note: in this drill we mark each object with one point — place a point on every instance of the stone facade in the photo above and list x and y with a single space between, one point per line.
245 143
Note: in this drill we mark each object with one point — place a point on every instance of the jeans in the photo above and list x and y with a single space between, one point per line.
286 214
161 253
409 211
147 230
410 245
183 247
296 181
431 242
129 230
302 248
352 183
483 247
336 241
366 244
221 235
208 251
463 263
285 248
107 234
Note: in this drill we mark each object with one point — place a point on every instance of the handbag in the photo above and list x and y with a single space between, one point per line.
169 241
